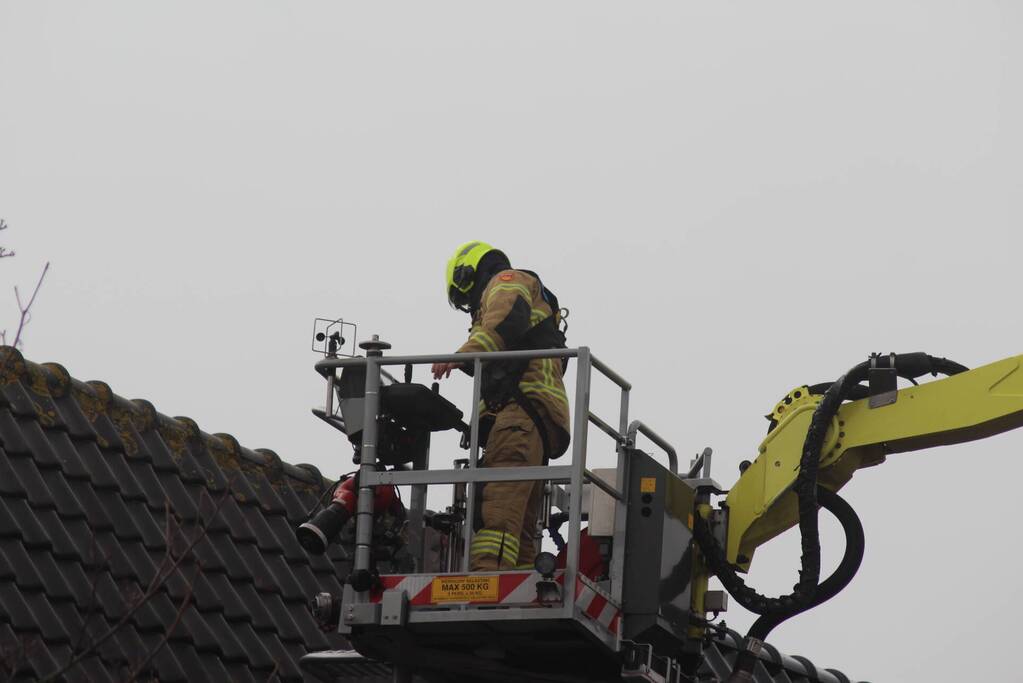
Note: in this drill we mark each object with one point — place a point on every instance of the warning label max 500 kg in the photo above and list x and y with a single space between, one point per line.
465 589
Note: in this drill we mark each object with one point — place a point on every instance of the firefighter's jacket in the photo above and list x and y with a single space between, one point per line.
510 306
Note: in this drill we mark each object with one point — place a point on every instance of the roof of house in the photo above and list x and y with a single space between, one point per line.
86 478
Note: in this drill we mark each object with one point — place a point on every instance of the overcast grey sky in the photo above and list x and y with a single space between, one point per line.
731 198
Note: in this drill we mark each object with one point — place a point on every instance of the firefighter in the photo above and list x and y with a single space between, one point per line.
524 416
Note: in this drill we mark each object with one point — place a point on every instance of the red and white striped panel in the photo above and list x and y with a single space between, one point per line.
597 605
514 588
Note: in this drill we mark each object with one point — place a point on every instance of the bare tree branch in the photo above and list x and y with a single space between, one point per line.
16 654
4 251
90 610
179 615
168 566
25 310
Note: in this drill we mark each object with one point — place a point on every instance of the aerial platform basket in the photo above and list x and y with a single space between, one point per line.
639 618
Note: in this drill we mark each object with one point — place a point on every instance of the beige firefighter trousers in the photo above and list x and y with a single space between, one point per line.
509 536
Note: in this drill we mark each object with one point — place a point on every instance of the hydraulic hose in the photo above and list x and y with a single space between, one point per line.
829 588
808 593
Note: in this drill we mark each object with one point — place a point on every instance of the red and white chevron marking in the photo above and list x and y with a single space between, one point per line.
514 588
597 605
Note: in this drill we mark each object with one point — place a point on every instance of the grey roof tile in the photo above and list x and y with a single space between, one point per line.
181 502
78 580
285 581
165 610
54 582
17 401
112 552
214 669
9 484
18 565
88 504
312 637
27 524
128 486
191 663
81 536
243 674
237 525
107 434
63 547
40 657
261 658
233 607
262 620
287 667
11 435
149 483
265 494
235 565
26 472
206 551
155 452
62 499
231 649
284 533
164 662
39 445
8 527
49 625
252 568
284 625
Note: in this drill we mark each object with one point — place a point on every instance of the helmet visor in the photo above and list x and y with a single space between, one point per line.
458 299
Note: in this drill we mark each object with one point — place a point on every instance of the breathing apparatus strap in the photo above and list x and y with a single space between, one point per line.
530 409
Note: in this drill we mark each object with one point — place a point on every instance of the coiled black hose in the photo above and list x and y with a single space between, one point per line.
829 587
808 593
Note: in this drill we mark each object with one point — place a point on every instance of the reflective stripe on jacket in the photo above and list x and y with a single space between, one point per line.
512 303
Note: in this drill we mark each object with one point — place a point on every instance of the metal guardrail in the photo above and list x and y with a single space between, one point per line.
639 427
575 473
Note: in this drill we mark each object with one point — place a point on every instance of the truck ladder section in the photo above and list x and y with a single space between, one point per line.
558 623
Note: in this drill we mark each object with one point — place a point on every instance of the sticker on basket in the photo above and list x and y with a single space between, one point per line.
465 589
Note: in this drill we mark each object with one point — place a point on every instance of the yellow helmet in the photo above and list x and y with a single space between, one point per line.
461 272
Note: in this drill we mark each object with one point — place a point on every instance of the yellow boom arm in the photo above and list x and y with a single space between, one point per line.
965 407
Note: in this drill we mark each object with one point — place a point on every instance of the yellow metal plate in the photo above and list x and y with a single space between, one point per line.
465 589
971 405
648 485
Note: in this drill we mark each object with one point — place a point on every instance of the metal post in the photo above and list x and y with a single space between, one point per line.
402 673
474 449
328 405
579 429
368 458
374 348
623 413
621 506
637 427
416 508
